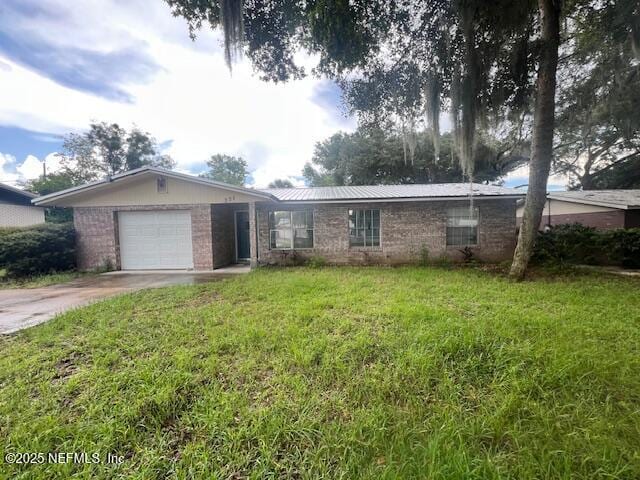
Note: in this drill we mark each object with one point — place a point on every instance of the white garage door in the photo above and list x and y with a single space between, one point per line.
155 240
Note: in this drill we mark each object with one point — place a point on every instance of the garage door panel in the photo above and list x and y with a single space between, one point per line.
155 240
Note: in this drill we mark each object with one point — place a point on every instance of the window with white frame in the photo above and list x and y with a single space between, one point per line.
462 226
290 229
364 228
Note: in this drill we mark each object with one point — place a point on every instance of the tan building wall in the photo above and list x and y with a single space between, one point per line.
559 207
142 190
20 215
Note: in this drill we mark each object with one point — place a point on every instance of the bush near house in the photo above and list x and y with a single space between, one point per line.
40 249
577 244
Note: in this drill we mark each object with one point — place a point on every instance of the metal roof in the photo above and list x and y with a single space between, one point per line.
389 192
623 199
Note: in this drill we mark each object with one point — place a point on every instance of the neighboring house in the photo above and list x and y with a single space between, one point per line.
601 209
151 218
16 209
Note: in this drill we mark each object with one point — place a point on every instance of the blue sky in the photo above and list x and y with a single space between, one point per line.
64 64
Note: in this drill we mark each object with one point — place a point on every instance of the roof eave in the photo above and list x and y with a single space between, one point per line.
597 203
52 197
401 199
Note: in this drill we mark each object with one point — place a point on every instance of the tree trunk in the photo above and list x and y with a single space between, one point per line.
542 139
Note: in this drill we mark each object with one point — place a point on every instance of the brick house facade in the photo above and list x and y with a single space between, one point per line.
407 226
406 230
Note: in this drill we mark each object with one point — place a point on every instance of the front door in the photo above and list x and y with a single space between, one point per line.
243 248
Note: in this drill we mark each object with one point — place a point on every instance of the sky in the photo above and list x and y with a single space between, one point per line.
64 64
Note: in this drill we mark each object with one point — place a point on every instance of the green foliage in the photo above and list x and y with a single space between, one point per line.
577 244
9 230
54 182
227 169
622 246
372 156
598 124
40 280
108 149
41 249
281 183
392 59
336 373
316 261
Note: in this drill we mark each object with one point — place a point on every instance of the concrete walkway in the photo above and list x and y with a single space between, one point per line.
24 307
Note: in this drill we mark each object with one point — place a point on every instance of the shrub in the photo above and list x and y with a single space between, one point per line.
316 262
9 230
467 255
575 243
42 249
623 246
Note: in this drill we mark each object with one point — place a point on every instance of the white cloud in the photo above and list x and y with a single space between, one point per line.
14 173
7 167
194 101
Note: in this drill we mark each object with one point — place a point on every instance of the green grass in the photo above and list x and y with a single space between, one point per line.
335 373
38 281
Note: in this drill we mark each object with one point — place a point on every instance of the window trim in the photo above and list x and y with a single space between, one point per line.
365 247
292 230
478 217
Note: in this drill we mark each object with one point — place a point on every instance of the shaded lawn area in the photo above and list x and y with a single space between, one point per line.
335 373
39 281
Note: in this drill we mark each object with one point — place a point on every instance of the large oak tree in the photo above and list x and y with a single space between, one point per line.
408 60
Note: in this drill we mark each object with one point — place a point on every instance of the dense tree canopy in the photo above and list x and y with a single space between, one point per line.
372 156
598 134
394 59
227 169
108 149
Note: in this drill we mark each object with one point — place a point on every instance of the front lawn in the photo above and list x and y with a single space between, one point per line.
39 281
335 373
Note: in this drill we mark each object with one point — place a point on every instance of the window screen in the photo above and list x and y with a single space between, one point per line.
291 229
364 228
462 226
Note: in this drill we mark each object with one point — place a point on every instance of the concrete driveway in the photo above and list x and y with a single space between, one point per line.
24 307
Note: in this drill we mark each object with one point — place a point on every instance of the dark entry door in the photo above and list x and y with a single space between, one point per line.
243 251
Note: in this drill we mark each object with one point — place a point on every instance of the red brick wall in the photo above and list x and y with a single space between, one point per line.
406 228
600 220
97 234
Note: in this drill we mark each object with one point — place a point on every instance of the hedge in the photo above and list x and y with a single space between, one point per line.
577 244
41 249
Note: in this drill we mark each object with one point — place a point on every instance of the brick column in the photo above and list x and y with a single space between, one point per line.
253 235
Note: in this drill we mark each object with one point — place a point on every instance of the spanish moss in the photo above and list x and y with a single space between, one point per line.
409 138
468 94
432 107
231 19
